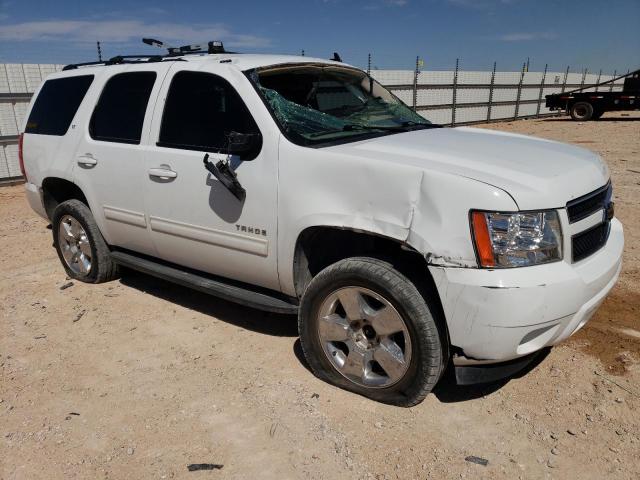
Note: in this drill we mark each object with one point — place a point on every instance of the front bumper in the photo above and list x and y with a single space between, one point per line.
498 315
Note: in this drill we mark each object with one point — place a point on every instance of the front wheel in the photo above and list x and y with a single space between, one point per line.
366 328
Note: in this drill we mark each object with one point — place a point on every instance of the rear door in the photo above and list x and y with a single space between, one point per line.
109 160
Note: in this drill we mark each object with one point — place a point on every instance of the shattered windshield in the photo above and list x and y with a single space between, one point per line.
322 103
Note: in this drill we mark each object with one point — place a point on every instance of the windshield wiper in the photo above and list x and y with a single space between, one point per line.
356 127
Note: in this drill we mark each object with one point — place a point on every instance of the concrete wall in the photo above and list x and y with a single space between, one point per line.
434 93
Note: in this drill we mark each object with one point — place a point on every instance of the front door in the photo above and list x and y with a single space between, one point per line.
195 220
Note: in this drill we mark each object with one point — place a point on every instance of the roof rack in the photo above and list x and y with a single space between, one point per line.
213 47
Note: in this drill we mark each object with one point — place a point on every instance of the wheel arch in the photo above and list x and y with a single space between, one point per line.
317 247
56 190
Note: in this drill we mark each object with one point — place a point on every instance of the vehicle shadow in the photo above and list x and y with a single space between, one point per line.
448 391
265 323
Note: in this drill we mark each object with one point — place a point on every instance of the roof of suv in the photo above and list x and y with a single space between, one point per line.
242 61
248 61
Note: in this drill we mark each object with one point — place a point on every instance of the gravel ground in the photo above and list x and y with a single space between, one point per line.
139 378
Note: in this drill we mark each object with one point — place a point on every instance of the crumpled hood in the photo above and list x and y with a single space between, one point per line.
537 173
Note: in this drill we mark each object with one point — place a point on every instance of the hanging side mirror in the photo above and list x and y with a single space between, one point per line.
243 144
223 172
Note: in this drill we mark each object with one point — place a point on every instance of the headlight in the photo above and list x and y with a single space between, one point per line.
504 240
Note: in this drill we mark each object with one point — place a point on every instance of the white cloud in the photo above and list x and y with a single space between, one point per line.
123 31
527 36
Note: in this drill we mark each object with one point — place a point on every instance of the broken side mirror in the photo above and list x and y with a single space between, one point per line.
245 145
225 175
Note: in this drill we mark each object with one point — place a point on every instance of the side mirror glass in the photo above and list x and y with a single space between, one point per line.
245 145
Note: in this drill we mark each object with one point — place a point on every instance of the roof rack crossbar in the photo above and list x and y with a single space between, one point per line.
194 49
122 59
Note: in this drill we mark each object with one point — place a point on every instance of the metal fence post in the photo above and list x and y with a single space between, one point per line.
598 81
24 77
515 116
15 116
415 83
369 64
584 76
6 74
455 91
544 76
493 79
6 159
611 84
564 84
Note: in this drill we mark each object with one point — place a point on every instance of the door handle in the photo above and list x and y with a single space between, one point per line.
87 160
164 173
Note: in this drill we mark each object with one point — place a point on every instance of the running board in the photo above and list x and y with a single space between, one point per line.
200 281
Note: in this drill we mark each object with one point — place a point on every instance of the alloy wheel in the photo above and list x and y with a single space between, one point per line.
74 245
364 337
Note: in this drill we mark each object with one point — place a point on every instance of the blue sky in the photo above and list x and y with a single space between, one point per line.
583 34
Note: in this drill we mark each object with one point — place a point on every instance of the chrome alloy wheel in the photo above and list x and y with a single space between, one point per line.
74 245
364 337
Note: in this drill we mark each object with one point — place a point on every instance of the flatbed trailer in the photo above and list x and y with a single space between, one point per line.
583 106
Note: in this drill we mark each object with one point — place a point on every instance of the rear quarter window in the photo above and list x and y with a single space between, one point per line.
57 104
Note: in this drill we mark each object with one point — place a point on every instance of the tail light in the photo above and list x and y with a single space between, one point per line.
21 155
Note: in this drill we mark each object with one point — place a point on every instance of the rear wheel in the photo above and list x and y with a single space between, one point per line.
582 111
366 328
81 248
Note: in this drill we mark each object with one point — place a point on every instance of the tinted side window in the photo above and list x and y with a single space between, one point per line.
201 109
119 114
57 104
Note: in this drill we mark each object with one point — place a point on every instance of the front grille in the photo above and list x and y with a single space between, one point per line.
590 241
587 204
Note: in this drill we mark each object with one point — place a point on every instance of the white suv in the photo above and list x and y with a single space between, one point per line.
300 185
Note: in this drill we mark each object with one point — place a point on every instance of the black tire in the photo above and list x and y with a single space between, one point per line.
102 268
581 111
428 354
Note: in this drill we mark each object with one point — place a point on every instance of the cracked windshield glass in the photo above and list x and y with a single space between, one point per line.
316 104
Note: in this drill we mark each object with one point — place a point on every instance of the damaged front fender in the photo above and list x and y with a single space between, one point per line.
426 210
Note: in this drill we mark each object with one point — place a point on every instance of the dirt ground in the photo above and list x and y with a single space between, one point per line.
139 378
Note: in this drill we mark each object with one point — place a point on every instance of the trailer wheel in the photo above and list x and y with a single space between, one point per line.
581 111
